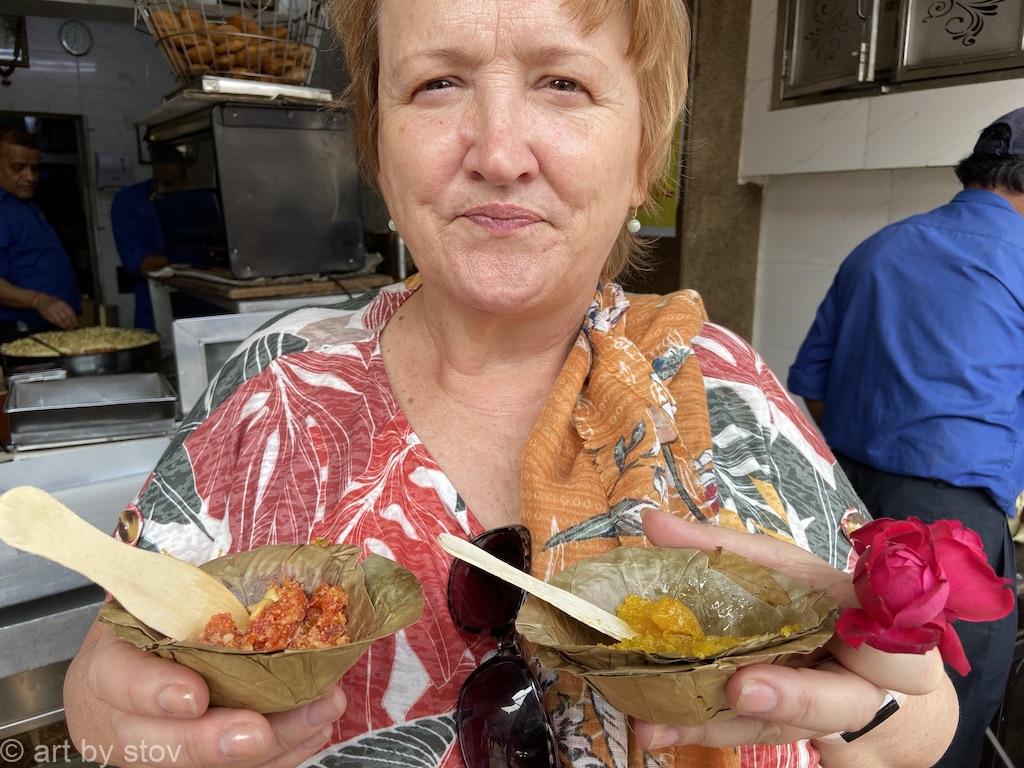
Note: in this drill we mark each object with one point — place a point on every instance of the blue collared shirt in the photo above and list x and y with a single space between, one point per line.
138 234
32 257
918 348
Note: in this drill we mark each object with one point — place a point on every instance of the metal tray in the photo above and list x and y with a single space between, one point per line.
89 409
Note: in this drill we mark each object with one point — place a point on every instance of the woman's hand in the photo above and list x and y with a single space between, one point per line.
780 704
120 700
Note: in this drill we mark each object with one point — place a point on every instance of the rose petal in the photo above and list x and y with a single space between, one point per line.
871 599
924 609
976 593
954 529
901 576
953 651
907 639
855 626
885 528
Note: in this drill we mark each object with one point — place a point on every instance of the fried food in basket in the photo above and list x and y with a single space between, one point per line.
251 47
285 618
244 23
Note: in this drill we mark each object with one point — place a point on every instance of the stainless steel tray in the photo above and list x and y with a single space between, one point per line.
89 409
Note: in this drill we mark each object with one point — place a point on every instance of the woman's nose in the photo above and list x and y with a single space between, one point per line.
499 140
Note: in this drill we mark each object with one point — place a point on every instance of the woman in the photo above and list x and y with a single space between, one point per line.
510 139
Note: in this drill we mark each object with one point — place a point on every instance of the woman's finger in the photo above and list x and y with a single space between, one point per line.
219 737
303 752
718 734
824 699
235 736
910 673
295 728
131 680
665 530
778 705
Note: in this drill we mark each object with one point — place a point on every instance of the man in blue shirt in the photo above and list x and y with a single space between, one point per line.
914 369
38 289
140 242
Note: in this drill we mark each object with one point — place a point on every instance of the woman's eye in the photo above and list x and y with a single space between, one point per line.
437 85
564 84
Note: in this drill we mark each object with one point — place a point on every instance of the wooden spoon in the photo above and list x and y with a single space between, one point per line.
565 601
169 595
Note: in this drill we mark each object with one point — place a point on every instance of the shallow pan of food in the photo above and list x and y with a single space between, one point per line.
85 351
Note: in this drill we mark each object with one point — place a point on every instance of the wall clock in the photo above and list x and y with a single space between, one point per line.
75 38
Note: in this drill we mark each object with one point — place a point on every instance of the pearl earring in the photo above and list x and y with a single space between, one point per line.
391 225
633 223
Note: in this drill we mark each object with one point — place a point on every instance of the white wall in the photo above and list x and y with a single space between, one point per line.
935 127
835 173
121 78
809 223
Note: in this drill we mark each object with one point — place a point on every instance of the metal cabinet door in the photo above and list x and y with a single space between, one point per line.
826 44
939 38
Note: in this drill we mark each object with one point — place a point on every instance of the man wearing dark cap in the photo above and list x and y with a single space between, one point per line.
38 290
914 369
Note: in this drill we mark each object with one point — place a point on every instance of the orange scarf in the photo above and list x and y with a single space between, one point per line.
625 429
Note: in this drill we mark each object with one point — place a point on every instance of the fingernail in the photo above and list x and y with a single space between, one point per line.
178 700
757 697
241 741
319 739
326 710
663 737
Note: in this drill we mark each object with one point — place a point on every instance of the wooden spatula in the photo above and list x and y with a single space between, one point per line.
567 602
169 595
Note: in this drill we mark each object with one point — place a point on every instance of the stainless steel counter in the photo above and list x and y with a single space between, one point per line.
93 481
45 610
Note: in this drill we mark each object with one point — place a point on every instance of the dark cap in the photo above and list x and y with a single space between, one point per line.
1004 137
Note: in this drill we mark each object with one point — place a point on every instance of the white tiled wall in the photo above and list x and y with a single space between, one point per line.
934 127
809 223
121 78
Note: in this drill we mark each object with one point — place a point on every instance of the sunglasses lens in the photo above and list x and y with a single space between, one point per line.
502 722
479 602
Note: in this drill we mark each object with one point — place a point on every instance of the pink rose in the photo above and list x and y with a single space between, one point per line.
913 581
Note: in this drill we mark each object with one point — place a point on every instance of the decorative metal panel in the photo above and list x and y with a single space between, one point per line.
954 37
828 44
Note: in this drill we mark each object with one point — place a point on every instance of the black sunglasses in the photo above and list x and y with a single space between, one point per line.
501 717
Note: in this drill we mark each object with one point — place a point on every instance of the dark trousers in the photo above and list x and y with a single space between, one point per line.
988 645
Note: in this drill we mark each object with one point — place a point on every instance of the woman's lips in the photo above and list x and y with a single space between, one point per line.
502 218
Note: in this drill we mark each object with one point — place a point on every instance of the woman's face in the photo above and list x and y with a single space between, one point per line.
508 146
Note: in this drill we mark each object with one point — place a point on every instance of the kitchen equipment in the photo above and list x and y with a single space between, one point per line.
567 602
89 409
264 187
267 41
169 595
143 358
38 373
45 609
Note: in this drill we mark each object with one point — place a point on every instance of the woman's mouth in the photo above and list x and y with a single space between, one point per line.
502 218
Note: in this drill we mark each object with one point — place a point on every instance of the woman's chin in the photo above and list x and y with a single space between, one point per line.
499 298
509 293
